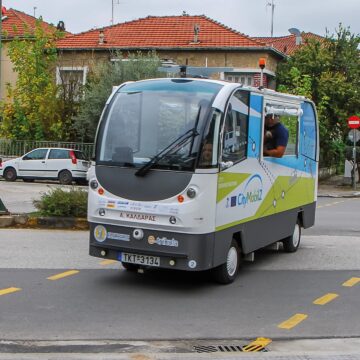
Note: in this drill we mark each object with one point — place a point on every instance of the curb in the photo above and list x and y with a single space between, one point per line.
25 221
351 195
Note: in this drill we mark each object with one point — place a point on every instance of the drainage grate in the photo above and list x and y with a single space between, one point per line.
230 348
205 349
258 345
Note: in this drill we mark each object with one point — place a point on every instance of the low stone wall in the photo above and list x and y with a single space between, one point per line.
25 221
325 173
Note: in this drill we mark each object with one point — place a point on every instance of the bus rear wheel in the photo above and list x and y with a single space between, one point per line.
292 243
227 272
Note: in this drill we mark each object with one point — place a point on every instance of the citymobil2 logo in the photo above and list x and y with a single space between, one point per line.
252 193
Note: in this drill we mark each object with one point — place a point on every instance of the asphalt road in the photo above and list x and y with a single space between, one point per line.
272 297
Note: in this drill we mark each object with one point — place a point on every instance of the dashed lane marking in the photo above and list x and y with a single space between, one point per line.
325 299
107 262
62 275
9 290
293 321
351 282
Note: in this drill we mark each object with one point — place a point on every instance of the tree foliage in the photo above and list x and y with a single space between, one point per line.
328 72
102 78
32 108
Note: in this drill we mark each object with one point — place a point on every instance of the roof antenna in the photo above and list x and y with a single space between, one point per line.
272 4
297 33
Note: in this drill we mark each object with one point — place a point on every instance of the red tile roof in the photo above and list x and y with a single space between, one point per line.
287 44
17 23
162 33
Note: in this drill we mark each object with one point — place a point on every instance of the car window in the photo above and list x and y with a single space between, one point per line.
79 155
59 154
38 154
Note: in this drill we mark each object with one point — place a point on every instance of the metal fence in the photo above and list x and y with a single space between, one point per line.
14 148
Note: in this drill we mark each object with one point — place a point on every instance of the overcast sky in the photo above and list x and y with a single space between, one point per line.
251 17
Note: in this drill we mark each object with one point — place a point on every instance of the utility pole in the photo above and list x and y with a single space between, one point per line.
113 3
272 4
35 11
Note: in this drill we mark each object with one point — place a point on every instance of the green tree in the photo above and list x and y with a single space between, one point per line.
32 108
328 72
102 78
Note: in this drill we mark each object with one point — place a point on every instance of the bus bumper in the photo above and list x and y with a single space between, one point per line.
180 251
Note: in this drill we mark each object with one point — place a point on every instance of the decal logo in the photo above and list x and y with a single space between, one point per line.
117 236
252 193
162 241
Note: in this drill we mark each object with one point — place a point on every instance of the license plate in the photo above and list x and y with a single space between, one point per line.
140 259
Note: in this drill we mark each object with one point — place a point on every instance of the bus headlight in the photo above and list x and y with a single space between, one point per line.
191 192
100 233
94 184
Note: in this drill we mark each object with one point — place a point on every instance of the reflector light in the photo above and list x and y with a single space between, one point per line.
101 191
180 199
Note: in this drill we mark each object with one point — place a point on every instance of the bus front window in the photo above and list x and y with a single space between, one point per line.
142 121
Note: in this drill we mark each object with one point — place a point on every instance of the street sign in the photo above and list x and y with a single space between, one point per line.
354 135
353 122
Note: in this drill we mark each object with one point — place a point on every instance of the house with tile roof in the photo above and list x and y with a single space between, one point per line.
14 24
204 45
290 43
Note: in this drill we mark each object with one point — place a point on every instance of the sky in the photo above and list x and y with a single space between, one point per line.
251 17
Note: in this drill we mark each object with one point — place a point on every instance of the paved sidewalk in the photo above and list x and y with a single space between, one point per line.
335 187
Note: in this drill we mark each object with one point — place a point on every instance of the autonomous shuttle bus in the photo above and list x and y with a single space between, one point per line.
179 179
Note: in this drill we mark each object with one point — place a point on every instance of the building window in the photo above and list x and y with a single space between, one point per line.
72 78
244 79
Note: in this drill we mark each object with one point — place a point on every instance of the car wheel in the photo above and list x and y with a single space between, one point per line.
227 272
10 174
28 180
292 243
65 177
130 267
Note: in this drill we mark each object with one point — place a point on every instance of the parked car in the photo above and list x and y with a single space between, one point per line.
66 165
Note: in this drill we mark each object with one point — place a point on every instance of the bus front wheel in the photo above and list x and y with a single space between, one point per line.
292 243
227 272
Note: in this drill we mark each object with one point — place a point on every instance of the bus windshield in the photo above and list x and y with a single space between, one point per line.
146 118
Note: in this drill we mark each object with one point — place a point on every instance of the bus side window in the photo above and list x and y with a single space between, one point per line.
235 130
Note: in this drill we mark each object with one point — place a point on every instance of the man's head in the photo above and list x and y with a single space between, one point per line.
271 120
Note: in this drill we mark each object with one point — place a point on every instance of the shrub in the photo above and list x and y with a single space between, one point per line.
60 202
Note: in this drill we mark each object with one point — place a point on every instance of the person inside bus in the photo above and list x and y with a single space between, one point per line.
276 136
206 154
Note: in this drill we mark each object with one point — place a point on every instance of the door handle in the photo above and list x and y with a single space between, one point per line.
43 162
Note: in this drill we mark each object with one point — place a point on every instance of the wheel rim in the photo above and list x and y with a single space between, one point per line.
10 174
232 261
296 236
65 177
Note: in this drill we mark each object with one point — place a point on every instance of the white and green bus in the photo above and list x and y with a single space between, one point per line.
156 200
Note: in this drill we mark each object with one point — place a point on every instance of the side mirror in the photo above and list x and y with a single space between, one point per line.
225 165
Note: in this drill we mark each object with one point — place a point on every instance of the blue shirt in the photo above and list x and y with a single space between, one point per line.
280 137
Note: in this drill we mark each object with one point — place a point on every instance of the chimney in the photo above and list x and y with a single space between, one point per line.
298 40
101 38
196 33
60 26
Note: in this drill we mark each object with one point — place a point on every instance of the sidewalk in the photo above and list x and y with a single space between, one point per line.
334 187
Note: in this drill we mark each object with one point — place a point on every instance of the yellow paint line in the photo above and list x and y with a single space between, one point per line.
319 207
257 345
351 282
293 321
62 275
108 262
9 290
325 299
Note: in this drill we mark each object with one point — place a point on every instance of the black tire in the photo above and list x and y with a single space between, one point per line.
129 266
28 180
227 272
65 177
292 243
10 174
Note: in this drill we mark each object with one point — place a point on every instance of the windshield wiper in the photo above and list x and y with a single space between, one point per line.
176 143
